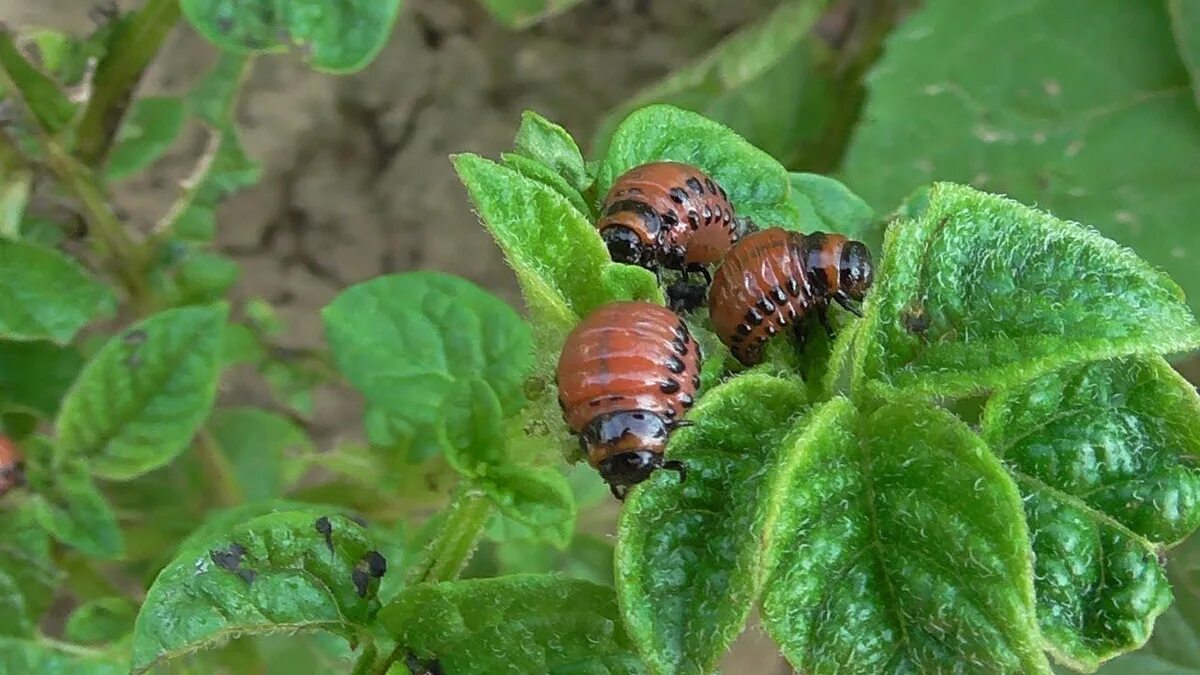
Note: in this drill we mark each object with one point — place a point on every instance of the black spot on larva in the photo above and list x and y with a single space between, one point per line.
793 287
736 337
723 195
771 330
708 214
744 329
362 581
686 401
696 381
376 564
766 305
709 184
677 195
680 347
780 296
754 317
675 365
669 386
694 185
670 414
669 218
595 403
693 219
325 529
639 416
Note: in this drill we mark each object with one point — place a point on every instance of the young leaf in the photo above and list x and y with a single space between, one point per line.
535 170
1185 24
101 620
549 144
72 509
28 577
409 342
525 13
827 205
982 291
756 183
558 256
151 128
1107 457
257 443
336 37
44 295
138 402
1110 140
524 623
51 108
283 572
29 656
899 547
688 555
537 497
770 82
35 375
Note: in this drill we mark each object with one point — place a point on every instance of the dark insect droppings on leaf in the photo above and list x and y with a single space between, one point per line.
361 581
916 320
376 564
231 559
134 337
247 575
362 522
325 529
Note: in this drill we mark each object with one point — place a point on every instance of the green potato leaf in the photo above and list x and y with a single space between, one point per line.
101 620
688 555
523 623
549 144
827 205
538 497
259 445
280 573
771 82
535 170
139 401
981 291
339 37
44 295
28 577
1185 24
72 509
416 344
35 376
560 261
1107 458
1105 136
758 185
30 656
900 547
152 126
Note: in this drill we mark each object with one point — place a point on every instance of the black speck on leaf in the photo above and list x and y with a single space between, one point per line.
230 558
361 581
134 337
376 564
325 529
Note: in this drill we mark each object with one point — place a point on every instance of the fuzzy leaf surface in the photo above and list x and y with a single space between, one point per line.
1107 458
139 401
900 548
981 291
523 623
44 295
688 555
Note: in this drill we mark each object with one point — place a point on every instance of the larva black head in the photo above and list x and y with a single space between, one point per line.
855 271
626 247
627 446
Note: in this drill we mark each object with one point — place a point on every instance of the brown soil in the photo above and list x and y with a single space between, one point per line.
356 177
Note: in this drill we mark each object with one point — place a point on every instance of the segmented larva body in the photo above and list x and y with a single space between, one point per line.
777 277
627 375
669 214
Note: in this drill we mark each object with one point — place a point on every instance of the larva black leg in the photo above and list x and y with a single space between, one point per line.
800 330
618 491
685 297
682 423
678 467
696 268
845 303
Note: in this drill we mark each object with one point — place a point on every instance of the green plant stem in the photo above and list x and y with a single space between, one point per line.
117 75
69 647
218 474
455 541
447 552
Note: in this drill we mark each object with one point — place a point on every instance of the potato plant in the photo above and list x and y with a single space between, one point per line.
993 470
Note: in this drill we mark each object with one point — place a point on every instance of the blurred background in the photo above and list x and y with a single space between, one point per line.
1085 107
